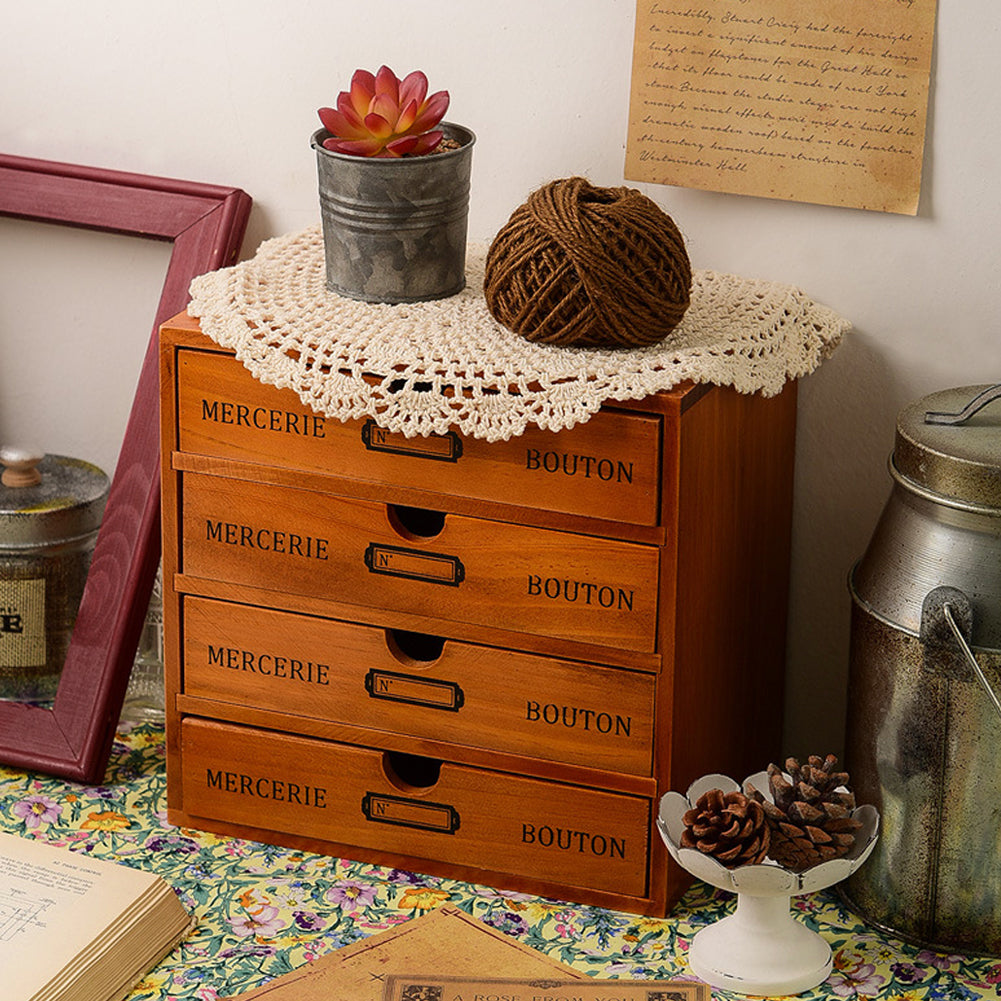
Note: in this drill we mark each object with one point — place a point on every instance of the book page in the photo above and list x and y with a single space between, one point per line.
821 101
53 904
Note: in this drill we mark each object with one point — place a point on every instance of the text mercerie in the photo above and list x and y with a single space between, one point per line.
267 539
269 664
266 787
264 418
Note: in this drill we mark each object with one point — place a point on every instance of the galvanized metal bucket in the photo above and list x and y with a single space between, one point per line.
924 717
394 229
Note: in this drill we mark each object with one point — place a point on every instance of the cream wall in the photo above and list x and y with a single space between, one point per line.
225 92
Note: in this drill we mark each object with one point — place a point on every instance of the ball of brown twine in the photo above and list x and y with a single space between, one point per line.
587 266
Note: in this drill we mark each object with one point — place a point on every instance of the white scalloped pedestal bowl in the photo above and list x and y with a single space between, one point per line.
760 948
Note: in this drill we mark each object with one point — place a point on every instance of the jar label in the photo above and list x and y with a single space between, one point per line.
22 623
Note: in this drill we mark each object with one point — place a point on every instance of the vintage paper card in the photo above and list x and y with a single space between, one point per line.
820 101
446 938
424 988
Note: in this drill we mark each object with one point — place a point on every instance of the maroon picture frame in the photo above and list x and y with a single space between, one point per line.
205 223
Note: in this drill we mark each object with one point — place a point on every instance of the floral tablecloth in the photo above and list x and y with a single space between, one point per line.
263 911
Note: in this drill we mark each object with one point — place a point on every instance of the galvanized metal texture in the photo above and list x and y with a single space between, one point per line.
918 545
961 609
48 529
972 407
394 230
924 733
959 462
66 504
925 749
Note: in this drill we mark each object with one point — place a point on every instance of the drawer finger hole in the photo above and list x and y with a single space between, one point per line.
410 772
415 522
414 648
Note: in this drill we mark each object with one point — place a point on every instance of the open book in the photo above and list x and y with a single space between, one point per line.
75 928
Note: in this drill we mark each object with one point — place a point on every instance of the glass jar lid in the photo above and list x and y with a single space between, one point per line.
48 499
954 456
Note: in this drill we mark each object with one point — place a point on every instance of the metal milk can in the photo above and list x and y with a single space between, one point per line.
50 510
924 716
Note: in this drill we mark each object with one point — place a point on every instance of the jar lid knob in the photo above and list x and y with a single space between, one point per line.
19 466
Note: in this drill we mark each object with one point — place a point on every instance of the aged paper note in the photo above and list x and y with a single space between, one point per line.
445 938
818 101
414 987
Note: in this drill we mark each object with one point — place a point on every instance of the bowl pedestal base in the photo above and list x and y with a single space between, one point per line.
760 949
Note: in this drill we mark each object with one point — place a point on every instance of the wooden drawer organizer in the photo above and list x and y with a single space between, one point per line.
480 660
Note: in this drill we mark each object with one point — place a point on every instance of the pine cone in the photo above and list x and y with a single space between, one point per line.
729 826
810 819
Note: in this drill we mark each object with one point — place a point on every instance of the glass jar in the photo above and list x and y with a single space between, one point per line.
50 510
145 696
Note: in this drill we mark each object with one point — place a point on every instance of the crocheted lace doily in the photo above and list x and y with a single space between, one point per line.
425 368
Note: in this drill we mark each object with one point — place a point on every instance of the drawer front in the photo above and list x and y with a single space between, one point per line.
419 686
608 467
531 580
383 802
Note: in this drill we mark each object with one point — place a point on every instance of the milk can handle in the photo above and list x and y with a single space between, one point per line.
989 395
948 615
971 660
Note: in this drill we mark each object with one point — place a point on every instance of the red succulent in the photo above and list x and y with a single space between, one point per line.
384 116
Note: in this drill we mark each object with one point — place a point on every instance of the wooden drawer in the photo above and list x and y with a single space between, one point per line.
608 467
419 686
446 567
360 796
653 537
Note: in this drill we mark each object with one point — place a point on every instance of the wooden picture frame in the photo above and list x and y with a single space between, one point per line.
206 224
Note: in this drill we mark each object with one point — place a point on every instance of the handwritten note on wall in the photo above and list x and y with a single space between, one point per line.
819 101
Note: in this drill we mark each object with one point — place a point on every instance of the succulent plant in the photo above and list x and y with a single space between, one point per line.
384 116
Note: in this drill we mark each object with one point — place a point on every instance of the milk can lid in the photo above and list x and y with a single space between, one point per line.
48 499
948 445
